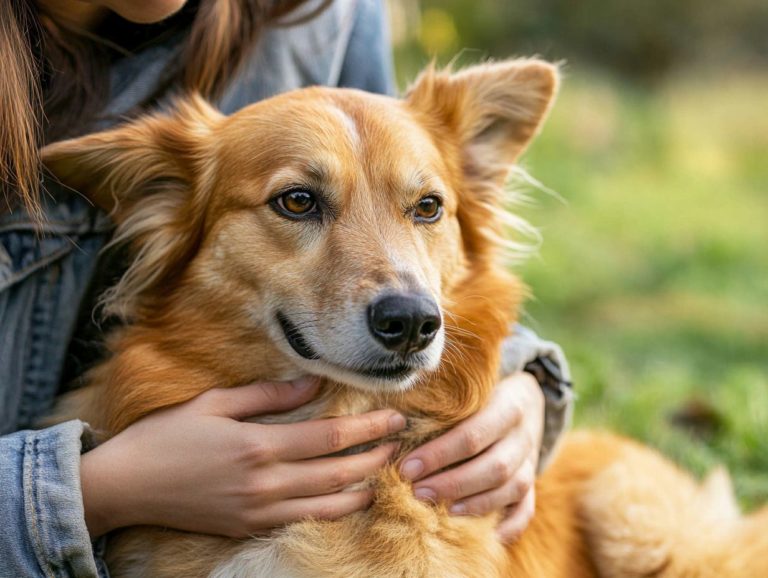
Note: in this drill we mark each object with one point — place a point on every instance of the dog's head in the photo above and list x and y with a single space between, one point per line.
336 224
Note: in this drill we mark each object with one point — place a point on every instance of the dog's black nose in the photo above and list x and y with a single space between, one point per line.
404 322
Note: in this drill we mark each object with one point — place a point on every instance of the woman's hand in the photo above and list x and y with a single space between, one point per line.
501 443
196 467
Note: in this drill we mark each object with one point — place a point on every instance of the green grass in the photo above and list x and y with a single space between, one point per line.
653 274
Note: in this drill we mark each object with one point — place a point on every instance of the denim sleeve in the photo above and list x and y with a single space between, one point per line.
44 532
521 348
43 275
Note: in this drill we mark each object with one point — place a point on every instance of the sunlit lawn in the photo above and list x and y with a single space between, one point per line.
653 274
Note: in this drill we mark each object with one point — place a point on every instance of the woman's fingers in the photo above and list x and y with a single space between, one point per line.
310 439
467 439
499 466
509 494
257 398
517 519
327 475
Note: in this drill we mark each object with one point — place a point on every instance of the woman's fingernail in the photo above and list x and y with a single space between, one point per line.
396 423
412 468
305 382
425 494
458 508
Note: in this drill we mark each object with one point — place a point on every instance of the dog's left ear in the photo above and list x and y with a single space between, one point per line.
492 111
153 175
117 167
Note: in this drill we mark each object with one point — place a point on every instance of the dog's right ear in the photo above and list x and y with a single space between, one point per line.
482 118
118 166
491 111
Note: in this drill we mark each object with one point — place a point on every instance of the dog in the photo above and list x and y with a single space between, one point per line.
360 238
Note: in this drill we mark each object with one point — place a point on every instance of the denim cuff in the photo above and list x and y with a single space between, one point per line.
522 347
42 504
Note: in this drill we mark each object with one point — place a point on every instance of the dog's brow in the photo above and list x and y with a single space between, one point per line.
282 177
317 172
418 181
309 173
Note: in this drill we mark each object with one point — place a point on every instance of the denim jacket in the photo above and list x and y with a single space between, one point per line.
44 279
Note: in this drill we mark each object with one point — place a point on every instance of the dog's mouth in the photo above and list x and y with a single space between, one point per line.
301 346
400 371
295 338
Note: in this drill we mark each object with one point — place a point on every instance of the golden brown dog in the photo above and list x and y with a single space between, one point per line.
359 238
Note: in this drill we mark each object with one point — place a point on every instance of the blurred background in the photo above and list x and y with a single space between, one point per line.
653 271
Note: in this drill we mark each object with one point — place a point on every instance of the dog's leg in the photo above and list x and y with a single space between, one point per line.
151 552
646 517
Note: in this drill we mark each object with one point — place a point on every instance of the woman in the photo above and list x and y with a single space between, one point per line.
83 66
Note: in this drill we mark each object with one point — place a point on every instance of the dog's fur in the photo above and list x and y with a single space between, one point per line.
214 262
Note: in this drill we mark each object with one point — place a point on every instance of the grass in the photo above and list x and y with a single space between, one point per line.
653 274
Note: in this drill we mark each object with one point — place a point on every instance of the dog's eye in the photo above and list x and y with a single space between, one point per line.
297 203
429 209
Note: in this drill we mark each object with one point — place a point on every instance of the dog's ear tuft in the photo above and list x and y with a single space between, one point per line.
152 175
121 164
493 110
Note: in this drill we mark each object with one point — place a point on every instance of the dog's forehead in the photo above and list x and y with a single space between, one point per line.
339 130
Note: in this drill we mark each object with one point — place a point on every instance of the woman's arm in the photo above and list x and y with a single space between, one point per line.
44 531
525 351
192 467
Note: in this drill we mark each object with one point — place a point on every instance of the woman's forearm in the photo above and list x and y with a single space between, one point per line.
44 531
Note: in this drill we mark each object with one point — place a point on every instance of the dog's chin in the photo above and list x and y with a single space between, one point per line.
396 380
377 379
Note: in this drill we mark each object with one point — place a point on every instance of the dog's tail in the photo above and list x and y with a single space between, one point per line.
645 517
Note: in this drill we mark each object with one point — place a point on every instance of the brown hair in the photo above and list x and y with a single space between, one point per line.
54 76
20 107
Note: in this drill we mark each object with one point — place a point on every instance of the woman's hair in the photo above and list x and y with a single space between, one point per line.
53 77
20 108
